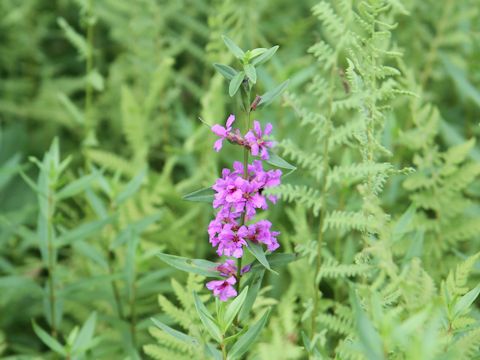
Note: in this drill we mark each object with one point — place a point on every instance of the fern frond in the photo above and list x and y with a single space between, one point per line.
301 194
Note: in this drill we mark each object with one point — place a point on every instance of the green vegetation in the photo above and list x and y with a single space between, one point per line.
103 107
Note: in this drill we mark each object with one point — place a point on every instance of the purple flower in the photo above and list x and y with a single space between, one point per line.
260 233
231 240
223 289
258 145
222 132
227 269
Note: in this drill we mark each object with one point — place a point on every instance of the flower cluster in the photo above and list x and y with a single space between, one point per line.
253 139
239 194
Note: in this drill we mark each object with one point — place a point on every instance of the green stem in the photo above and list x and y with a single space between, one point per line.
323 200
88 69
245 175
133 313
116 292
51 267
224 351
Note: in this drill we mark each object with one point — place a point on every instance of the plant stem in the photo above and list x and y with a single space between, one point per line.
224 351
116 293
88 69
245 175
323 199
51 266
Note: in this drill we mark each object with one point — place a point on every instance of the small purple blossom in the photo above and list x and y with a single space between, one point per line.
222 132
258 145
227 269
232 239
260 233
223 289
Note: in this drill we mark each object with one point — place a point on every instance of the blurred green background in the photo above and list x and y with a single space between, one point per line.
122 84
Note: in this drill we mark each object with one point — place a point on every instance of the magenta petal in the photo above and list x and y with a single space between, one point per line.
219 130
218 145
268 129
230 120
257 128
254 149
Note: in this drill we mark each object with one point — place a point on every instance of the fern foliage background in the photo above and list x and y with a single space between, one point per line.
100 139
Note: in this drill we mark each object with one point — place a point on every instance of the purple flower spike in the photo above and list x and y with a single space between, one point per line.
258 145
222 132
223 289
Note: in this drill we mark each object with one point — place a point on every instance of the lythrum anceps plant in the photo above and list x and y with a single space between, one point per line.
247 244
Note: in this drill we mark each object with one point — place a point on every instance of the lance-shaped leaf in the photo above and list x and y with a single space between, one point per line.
197 266
48 340
76 186
82 232
271 95
275 260
233 309
465 301
207 319
248 339
84 339
226 71
254 283
257 251
234 48
202 195
131 188
265 56
250 72
369 338
235 83
175 333
281 163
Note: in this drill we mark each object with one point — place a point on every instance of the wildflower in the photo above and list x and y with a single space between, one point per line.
223 132
223 288
260 233
227 269
258 145
231 240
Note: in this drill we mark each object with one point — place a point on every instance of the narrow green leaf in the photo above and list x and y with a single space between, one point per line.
251 72
279 162
462 304
226 71
248 339
131 188
275 260
71 108
233 309
265 56
235 83
402 225
254 283
84 339
31 184
271 95
369 338
207 319
48 340
76 186
82 232
234 48
175 333
212 352
257 52
197 266
202 195
257 251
